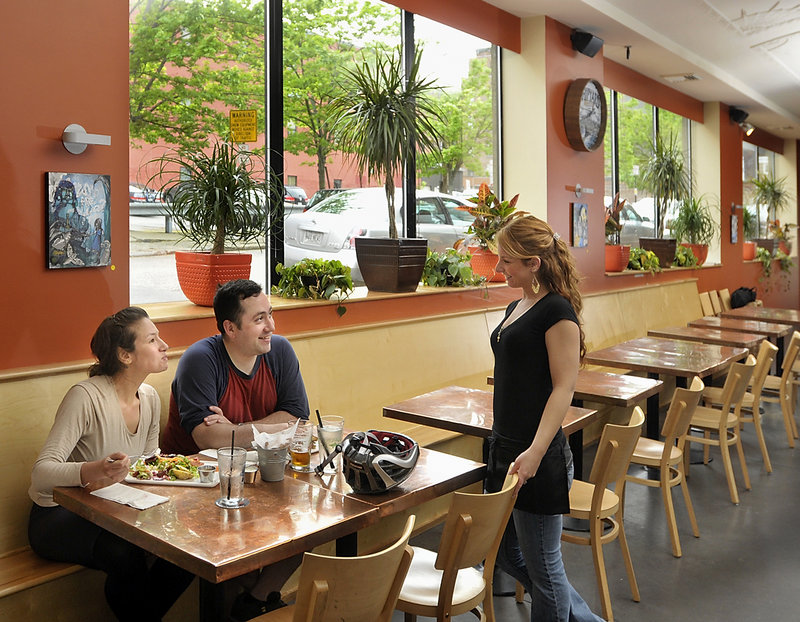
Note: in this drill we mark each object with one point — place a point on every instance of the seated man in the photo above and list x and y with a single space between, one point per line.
245 375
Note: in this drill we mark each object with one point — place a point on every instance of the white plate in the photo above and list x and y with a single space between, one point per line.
178 482
252 456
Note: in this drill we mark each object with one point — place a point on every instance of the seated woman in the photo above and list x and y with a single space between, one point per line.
99 424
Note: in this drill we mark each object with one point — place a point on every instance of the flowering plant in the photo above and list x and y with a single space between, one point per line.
490 215
779 232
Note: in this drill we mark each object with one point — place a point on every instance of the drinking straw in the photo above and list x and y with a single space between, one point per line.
230 468
322 442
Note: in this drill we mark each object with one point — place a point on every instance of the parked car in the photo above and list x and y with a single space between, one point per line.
634 226
294 199
139 193
322 194
328 230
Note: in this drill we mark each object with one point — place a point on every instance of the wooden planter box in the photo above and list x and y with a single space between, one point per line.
389 265
770 244
664 249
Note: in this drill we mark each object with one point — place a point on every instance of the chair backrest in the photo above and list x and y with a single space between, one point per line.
725 299
705 304
766 353
715 304
613 456
473 529
789 359
680 412
733 391
332 589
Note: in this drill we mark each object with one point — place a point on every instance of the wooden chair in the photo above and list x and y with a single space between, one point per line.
724 423
446 584
594 502
705 304
782 389
332 589
725 299
715 303
667 456
749 408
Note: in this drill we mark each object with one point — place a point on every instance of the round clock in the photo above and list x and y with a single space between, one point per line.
585 114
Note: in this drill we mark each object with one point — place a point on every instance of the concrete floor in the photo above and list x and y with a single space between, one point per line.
744 566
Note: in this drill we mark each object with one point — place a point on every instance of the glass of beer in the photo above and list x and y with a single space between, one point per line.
300 447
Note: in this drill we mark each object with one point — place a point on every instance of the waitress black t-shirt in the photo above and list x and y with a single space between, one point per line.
522 386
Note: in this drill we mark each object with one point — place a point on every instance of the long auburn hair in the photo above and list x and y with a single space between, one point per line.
524 236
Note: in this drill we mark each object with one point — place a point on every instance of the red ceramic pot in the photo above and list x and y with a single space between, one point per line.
617 257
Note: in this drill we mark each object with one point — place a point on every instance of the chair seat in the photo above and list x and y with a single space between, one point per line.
715 395
709 418
772 383
580 500
648 451
423 580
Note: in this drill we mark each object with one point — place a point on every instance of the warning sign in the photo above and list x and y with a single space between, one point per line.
244 126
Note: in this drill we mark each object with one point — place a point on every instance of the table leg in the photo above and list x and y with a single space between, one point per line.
653 407
779 355
347 546
212 602
575 441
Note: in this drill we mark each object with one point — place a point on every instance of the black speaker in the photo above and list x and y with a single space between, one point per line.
585 42
738 115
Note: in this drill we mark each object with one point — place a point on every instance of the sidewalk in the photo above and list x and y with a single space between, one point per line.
151 242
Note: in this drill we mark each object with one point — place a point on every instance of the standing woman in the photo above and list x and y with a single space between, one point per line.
99 424
538 348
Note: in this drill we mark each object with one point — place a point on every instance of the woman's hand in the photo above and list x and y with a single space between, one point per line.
115 466
525 466
216 416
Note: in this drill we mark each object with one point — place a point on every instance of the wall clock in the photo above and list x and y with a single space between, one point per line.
585 114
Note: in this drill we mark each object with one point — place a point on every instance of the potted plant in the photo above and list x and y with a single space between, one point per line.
750 226
384 118
317 279
781 234
665 175
216 197
449 269
694 226
770 193
641 259
490 214
617 255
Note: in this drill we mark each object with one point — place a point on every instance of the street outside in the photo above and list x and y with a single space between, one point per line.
153 276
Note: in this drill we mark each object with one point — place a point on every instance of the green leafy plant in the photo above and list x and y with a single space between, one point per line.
385 116
664 173
749 224
684 257
490 215
771 193
217 197
318 279
785 265
765 257
694 223
641 259
449 269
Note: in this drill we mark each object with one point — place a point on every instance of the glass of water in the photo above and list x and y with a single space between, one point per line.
231 461
330 434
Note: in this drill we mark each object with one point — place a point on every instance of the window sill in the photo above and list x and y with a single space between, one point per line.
629 272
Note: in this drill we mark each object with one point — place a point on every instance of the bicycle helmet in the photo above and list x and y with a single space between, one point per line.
377 461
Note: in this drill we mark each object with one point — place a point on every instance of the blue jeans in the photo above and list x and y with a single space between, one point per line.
531 553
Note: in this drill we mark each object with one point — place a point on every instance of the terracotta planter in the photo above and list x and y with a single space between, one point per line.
483 263
200 274
749 251
617 257
664 249
389 265
700 251
785 247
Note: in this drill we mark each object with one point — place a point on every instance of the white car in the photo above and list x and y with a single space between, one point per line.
328 230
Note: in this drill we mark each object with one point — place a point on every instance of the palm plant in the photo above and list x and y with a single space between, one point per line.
665 175
694 223
218 196
384 117
771 193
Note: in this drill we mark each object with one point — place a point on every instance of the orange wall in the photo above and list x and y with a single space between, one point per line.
70 65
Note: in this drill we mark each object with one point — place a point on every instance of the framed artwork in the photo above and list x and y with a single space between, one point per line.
580 225
78 220
734 229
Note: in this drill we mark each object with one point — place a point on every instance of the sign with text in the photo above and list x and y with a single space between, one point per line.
244 126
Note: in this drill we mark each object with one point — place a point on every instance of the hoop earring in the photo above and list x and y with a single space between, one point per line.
535 284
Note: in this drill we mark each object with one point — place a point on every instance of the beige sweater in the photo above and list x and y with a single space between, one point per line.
89 426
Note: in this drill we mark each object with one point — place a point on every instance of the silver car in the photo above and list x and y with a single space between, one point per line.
634 226
328 230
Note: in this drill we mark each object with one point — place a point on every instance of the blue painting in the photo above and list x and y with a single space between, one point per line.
580 225
78 220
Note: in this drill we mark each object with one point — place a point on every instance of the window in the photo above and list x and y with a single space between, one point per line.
756 161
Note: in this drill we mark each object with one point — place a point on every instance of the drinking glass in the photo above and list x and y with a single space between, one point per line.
331 435
231 461
300 447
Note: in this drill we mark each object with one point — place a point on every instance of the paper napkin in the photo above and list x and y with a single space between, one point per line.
127 495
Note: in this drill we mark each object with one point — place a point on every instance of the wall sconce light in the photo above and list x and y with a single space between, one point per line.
75 138
739 116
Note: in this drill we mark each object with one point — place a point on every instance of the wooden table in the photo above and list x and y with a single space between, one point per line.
751 341
283 519
766 314
681 359
776 333
469 411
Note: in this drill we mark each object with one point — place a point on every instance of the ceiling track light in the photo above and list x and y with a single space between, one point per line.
748 128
